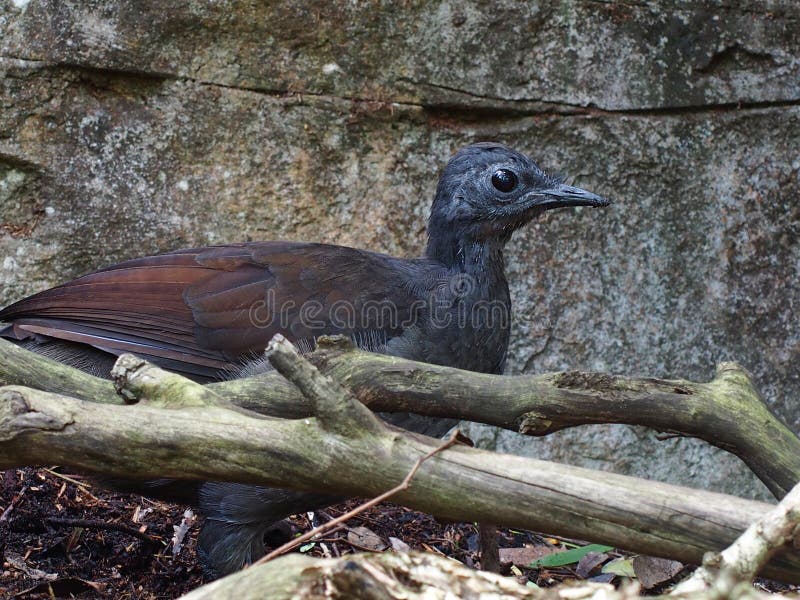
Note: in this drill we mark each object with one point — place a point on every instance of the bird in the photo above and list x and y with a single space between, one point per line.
209 312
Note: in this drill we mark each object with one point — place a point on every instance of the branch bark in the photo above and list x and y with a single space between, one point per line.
412 576
726 412
161 436
387 575
742 560
424 575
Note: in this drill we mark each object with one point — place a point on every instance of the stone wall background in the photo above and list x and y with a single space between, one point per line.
129 128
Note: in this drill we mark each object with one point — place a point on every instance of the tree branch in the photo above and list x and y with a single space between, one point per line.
146 441
726 412
742 560
412 576
331 403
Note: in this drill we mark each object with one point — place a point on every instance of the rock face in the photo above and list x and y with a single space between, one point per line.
127 129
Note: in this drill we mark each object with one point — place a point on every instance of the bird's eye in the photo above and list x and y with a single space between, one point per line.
504 180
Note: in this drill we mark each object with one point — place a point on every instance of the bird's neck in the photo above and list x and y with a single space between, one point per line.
461 252
472 298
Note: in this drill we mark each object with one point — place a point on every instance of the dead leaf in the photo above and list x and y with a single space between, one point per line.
622 567
363 537
652 571
589 563
181 531
18 562
399 545
525 555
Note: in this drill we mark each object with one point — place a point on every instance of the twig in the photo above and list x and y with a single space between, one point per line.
80 484
95 524
335 408
13 502
326 527
334 530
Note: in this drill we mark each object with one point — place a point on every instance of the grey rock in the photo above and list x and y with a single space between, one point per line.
612 55
127 129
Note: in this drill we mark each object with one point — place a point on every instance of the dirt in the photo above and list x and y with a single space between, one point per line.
61 536
93 557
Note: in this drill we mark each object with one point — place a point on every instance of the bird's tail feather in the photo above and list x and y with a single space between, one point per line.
240 517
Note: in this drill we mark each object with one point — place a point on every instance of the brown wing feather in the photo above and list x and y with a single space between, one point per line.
299 290
136 306
200 309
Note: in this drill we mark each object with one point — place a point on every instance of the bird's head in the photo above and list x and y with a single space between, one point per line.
488 190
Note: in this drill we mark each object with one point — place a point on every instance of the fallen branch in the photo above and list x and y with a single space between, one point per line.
726 412
388 575
96 524
208 442
334 523
742 560
410 576
23 367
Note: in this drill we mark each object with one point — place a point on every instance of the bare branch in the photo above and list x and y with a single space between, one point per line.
742 560
332 404
334 523
213 443
727 412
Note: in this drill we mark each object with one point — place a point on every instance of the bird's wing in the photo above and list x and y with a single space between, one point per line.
200 310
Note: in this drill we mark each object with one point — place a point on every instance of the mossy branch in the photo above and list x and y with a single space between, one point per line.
208 442
726 412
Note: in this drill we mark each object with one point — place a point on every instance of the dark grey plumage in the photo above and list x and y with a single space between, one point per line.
195 311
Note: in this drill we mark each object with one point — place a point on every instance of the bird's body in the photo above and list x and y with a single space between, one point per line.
209 312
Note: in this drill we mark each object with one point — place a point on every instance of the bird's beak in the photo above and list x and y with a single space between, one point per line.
562 195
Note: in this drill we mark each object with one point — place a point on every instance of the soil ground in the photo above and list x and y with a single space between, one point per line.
63 537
